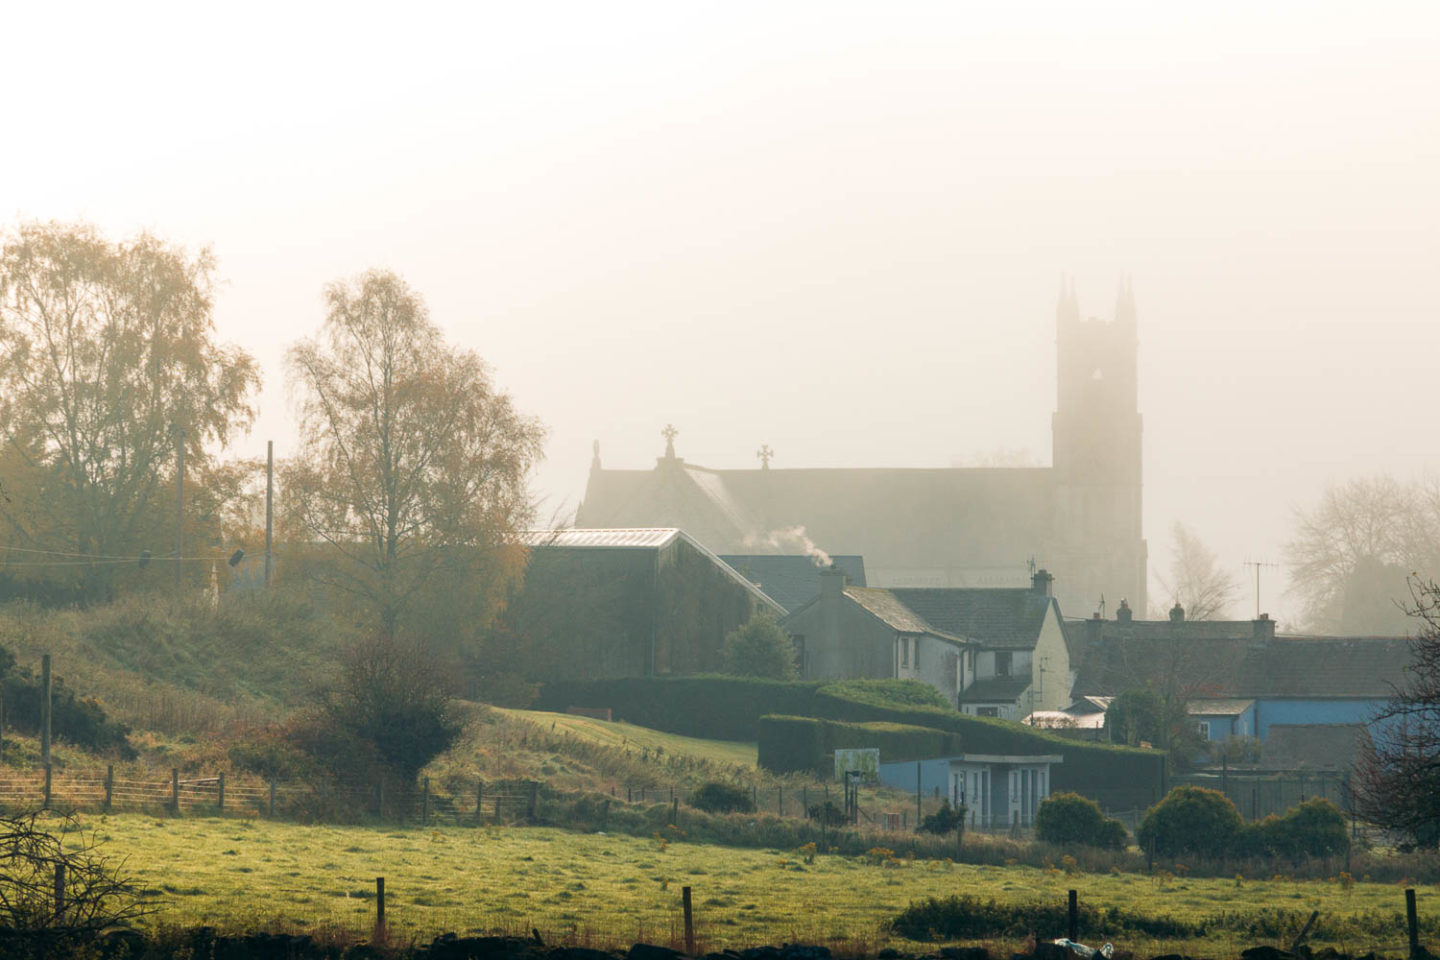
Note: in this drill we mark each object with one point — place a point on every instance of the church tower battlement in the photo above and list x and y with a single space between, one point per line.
1096 453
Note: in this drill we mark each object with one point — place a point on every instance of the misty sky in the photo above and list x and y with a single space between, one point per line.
834 228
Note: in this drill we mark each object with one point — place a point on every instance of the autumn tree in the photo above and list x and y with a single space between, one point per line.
412 467
1352 552
1196 581
107 350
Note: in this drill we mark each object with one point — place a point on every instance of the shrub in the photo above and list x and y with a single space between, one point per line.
78 720
890 693
947 819
759 648
1315 828
1191 820
829 813
1067 818
969 918
716 797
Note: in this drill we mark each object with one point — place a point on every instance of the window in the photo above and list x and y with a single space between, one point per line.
797 642
987 711
904 651
1002 664
1202 727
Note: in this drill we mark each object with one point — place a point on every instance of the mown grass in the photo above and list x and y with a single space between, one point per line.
597 889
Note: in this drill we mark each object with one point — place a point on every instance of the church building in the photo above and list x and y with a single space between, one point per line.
1080 518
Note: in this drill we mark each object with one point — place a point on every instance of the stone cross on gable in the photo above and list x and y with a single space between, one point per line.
764 454
670 433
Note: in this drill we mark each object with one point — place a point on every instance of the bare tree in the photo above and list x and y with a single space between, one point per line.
1196 580
1350 555
38 860
1397 779
413 466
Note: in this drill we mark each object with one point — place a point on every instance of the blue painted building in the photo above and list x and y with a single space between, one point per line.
1238 677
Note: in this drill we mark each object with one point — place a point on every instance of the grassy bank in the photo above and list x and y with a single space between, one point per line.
608 889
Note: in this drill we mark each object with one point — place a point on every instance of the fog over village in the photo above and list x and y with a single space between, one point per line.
929 446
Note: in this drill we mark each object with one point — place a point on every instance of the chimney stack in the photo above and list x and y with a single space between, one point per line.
1264 627
1177 613
832 582
1123 614
1041 581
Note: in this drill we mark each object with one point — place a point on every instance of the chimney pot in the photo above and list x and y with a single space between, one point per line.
1123 613
1177 613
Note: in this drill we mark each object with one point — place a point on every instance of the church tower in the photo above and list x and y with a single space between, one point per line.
1099 546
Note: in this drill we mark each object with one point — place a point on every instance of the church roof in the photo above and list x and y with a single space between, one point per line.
792 580
939 518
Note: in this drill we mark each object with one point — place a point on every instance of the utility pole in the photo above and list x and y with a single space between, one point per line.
269 506
179 500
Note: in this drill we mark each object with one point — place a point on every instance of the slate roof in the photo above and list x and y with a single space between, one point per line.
996 689
792 580
884 605
1005 618
1331 746
1281 667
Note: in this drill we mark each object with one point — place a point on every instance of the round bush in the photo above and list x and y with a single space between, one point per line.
1066 818
715 797
1191 820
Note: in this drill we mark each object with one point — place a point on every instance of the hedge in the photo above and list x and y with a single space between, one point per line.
730 708
805 744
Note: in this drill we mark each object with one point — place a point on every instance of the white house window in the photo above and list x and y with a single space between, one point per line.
987 711
1202 727
904 651
1002 664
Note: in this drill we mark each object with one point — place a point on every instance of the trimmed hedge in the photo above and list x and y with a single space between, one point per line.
730 708
805 744
1066 818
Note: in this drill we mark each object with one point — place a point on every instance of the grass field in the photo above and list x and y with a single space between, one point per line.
598 889
628 736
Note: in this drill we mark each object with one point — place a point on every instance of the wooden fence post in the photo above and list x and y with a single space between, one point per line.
1074 906
45 712
689 922
919 797
479 799
220 792
605 814
46 804
780 802
109 784
59 890
175 789
674 811
1412 922
380 906
425 802
534 797
272 798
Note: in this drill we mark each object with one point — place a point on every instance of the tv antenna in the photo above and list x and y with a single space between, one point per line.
1259 565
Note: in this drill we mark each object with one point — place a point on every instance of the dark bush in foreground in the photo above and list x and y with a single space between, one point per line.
947 819
1067 818
969 918
1191 820
716 797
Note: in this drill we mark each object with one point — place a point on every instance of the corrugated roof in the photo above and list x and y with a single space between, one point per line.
647 538
637 538
1218 707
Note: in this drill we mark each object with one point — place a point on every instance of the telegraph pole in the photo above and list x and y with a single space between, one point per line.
179 500
269 506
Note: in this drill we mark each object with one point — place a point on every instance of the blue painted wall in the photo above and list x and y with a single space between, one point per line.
933 773
1270 712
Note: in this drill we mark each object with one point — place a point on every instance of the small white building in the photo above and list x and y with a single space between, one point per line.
998 790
